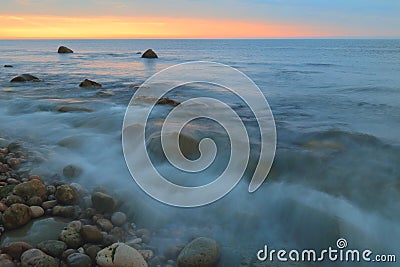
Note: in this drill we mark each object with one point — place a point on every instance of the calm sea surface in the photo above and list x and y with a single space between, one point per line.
337 109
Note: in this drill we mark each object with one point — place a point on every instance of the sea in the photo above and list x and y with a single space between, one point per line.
336 105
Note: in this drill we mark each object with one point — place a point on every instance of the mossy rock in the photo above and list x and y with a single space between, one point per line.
5 190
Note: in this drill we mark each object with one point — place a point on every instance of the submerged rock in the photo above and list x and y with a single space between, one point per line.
89 84
16 215
103 202
120 255
25 78
105 93
64 50
118 218
72 171
73 108
201 252
149 54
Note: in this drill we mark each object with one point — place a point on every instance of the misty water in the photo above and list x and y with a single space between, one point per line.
336 105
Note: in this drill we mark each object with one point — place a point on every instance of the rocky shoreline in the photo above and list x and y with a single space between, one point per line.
78 227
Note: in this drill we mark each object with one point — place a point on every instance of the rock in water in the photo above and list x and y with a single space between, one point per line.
201 252
15 249
16 215
8 66
103 202
74 108
89 84
120 255
149 54
64 50
79 260
167 101
66 195
37 211
30 189
91 234
53 248
25 78
66 211
71 237
72 171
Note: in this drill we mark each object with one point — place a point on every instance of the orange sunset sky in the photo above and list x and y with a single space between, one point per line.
55 19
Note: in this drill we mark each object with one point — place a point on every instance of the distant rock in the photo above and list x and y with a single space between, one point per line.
8 66
138 53
89 84
73 108
167 101
201 252
120 255
64 50
149 54
16 215
105 93
25 78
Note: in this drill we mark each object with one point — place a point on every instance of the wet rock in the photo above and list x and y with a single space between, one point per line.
66 211
91 234
15 249
172 252
46 261
118 218
73 108
147 254
6 190
89 84
25 78
79 189
72 171
14 147
36 211
14 163
31 257
66 195
51 189
34 201
104 224
8 66
3 207
16 215
79 260
201 252
121 255
54 248
71 237
6 261
36 231
118 234
13 199
149 54
92 251
103 202
64 50
30 189
167 101
49 204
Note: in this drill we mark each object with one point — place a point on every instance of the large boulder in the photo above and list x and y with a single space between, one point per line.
149 54
89 84
64 50
16 215
120 255
30 189
103 202
201 252
25 78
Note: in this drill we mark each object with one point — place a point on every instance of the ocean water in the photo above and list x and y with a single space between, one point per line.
336 105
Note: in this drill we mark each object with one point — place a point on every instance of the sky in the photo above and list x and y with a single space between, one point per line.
77 19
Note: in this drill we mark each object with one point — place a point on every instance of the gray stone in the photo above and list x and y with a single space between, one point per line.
118 218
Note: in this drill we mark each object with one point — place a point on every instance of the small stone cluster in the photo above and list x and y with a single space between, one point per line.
98 234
